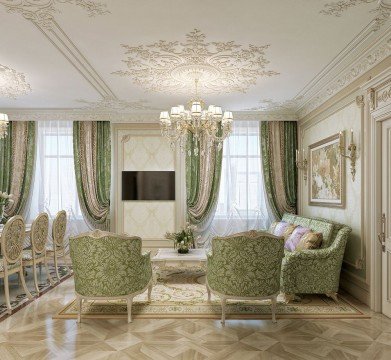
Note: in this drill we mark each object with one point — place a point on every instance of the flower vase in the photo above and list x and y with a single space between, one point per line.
183 250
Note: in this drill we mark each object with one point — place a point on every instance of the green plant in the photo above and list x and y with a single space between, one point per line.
183 239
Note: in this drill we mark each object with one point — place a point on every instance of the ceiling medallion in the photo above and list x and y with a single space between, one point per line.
12 83
382 11
110 104
210 123
172 66
42 12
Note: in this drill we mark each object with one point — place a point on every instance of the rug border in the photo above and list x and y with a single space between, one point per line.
360 315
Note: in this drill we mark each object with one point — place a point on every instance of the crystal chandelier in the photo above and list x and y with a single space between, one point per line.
198 120
3 125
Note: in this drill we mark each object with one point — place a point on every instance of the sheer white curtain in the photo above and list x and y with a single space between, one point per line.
242 203
54 182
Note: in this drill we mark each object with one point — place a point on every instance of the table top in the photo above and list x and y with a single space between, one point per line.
173 255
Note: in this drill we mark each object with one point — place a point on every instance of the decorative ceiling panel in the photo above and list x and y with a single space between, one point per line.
173 66
12 83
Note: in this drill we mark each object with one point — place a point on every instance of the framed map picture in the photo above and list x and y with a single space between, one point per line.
327 173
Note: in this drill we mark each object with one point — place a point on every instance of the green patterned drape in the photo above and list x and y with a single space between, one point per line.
278 147
17 158
203 174
92 155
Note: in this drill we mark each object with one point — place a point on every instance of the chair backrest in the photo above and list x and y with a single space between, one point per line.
106 264
247 264
12 239
59 228
39 233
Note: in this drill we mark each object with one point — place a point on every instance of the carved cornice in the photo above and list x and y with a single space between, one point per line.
382 10
150 117
114 105
324 91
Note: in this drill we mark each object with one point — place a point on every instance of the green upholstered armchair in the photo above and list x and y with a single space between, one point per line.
245 266
315 271
109 266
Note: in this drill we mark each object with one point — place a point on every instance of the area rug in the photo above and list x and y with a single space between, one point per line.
182 294
21 300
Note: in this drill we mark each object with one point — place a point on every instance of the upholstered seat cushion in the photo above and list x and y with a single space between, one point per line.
10 267
27 255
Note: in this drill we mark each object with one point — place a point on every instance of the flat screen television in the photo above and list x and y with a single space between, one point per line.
148 185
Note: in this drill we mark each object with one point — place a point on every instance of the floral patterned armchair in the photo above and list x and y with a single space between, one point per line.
315 271
245 266
109 266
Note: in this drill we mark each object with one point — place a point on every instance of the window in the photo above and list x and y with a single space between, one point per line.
54 184
242 203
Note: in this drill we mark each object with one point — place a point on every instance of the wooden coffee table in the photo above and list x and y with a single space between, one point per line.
170 259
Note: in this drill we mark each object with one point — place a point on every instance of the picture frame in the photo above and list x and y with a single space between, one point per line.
326 186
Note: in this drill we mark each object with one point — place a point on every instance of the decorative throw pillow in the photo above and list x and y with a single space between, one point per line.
294 239
310 240
280 228
288 231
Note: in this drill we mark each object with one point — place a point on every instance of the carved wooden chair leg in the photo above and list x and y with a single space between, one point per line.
223 305
48 272
80 305
333 295
7 294
208 290
129 302
56 265
149 292
24 284
274 304
35 278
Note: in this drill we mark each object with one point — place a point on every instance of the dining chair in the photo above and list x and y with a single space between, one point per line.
58 234
12 238
36 254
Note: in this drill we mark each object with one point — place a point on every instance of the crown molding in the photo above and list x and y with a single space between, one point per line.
367 50
145 117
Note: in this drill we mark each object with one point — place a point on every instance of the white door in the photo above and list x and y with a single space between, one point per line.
385 232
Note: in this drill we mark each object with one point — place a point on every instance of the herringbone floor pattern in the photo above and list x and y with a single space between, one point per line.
32 334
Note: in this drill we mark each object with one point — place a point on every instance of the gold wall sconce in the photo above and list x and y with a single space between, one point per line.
352 149
302 163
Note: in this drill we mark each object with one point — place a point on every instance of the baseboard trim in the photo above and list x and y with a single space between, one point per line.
354 286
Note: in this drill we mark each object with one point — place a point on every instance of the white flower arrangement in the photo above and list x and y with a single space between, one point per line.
6 199
185 238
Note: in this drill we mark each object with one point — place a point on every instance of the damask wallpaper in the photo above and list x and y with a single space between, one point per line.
349 117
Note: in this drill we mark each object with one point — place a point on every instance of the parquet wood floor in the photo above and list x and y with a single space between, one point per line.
32 334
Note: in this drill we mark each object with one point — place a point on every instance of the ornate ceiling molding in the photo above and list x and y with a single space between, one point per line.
41 12
380 51
13 83
172 66
110 104
288 106
146 117
382 11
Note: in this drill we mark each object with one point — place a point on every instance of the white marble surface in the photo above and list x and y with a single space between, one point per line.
173 255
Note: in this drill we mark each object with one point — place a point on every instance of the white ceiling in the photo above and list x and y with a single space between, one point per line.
72 55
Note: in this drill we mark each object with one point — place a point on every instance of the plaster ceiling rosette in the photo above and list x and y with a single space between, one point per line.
12 83
173 66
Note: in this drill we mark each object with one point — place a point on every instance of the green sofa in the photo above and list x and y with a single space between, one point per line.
315 271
